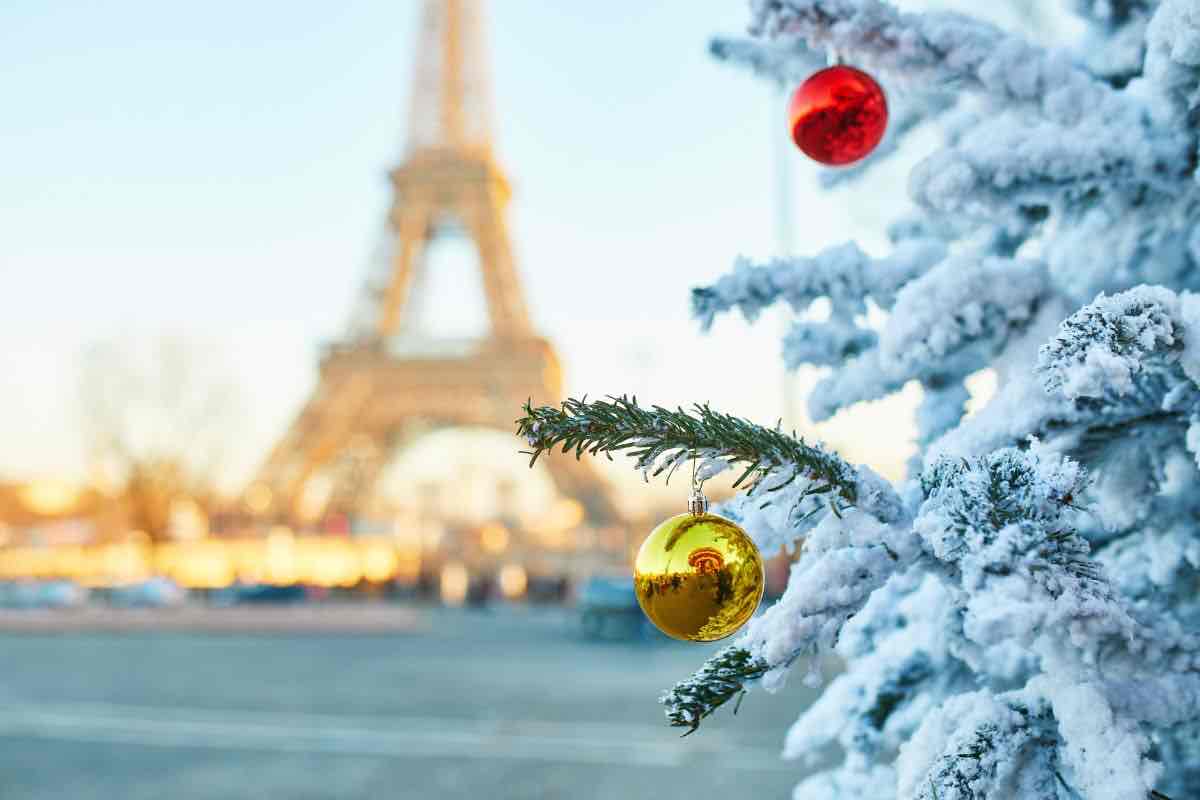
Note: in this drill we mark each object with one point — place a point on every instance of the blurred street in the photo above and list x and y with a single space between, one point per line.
476 704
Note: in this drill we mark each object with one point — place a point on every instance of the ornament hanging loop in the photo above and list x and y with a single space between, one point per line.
697 502
833 57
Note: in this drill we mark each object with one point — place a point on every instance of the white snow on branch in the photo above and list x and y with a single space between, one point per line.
1102 346
844 274
1160 699
1173 54
941 408
858 380
945 324
828 343
944 49
978 745
963 301
786 63
846 558
1115 44
857 778
1010 160
1123 241
887 688
1021 408
1002 523
781 508
1104 752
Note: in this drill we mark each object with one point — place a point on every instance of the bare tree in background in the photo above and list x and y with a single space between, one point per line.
157 419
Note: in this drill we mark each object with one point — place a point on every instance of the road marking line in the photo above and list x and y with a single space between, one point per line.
622 731
390 737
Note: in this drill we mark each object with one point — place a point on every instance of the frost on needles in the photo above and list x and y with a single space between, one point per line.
1019 619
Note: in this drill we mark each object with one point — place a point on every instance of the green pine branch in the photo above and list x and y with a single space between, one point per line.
657 438
719 679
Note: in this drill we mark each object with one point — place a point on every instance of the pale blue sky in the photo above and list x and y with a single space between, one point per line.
217 171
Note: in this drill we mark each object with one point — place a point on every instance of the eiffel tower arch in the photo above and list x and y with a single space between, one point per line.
382 382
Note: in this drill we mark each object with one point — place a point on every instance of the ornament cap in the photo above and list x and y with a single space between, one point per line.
697 502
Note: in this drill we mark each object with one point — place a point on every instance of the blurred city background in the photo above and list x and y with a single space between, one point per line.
277 281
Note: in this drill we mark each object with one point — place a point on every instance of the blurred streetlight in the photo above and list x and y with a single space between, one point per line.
455 581
493 537
513 581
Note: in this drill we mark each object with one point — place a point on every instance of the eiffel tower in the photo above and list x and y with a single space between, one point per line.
383 384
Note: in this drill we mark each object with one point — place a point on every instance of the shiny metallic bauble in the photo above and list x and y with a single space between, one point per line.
698 577
838 116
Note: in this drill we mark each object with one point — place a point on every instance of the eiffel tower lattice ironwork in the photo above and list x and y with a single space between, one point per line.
374 389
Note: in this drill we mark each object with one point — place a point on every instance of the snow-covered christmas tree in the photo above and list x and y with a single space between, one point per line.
1018 619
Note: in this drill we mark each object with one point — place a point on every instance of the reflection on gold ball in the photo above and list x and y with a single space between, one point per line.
698 577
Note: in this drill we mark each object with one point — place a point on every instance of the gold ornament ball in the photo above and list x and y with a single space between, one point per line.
698 577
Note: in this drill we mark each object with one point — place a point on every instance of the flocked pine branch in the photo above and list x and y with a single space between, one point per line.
955 316
1172 64
945 324
978 745
1115 43
1102 347
785 63
858 379
980 302
827 344
721 678
991 172
1114 362
1008 516
943 49
844 274
902 660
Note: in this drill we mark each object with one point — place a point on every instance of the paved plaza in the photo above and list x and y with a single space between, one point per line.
487 704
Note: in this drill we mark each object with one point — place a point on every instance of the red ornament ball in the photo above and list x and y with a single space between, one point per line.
838 115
